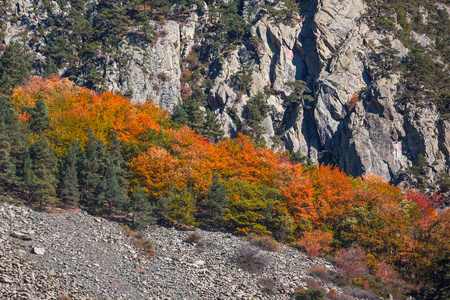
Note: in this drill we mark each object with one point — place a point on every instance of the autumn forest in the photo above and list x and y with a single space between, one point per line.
68 146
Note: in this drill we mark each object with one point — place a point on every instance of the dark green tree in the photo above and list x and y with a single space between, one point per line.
110 191
213 207
50 68
39 119
92 167
256 111
15 66
179 115
142 209
43 182
68 190
212 127
298 95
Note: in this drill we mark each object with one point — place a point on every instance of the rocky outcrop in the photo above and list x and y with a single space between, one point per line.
152 71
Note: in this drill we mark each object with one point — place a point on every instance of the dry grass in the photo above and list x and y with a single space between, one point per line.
251 259
146 246
319 272
264 242
193 238
267 285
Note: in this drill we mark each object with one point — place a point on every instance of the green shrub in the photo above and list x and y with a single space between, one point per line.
309 294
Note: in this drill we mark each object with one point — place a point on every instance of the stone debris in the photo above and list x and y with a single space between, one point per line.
81 258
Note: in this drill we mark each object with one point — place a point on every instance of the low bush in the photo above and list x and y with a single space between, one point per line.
251 259
319 272
309 294
352 262
267 285
193 238
264 242
145 245
359 293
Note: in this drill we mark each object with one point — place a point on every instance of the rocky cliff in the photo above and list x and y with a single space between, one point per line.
359 119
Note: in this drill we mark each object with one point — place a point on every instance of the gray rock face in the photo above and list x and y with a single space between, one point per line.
152 71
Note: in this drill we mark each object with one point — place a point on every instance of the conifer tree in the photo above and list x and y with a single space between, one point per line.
142 208
118 160
92 167
212 128
110 191
50 68
42 182
68 182
6 167
39 119
214 207
179 115
15 65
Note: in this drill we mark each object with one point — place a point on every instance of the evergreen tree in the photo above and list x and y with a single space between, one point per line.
110 191
192 105
50 68
179 115
118 160
92 167
43 179
298 94
212 127
142 208
39 119
6 167
15 65
214 207
256 111
68 182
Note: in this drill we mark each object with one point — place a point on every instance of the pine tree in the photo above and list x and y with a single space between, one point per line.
179 115
15 65
43 180
68 182
92 167
214 207
110 191
142 208
212 127
118 160
6 167
50 68
39 119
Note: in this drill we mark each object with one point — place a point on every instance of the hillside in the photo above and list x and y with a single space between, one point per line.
377 71
323 125
85 257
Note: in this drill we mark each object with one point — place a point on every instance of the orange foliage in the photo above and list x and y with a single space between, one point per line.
333 193
73 110
239 158
297 190
316 242
156 170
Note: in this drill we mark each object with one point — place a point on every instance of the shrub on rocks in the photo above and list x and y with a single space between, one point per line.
267 285
193 238
319 272
251 259
145 245
309 294
264 242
